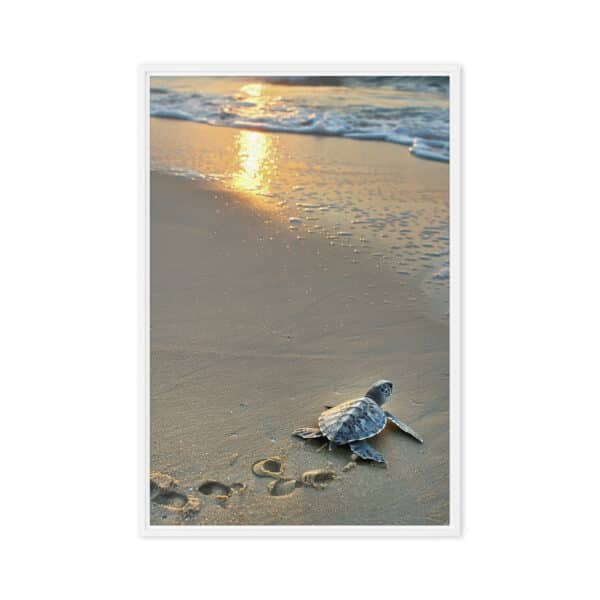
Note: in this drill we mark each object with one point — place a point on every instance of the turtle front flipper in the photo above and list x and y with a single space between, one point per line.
398 423
307 432
364 451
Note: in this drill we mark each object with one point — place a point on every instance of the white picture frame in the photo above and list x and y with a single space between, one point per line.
455 414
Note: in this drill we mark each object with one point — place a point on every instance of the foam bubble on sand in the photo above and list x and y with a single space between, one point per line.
295 220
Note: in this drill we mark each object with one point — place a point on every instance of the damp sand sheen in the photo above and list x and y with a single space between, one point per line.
289 272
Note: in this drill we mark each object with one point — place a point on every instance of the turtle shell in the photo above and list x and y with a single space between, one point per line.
352 421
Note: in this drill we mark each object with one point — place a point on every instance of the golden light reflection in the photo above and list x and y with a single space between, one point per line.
256 155
252 89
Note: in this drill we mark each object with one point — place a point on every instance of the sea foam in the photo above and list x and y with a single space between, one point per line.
406 112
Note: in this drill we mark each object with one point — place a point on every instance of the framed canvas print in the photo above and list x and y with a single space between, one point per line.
300 306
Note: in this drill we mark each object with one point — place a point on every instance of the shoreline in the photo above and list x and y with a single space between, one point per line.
371 198
403 113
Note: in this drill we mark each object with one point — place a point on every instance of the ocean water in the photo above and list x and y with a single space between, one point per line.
411 111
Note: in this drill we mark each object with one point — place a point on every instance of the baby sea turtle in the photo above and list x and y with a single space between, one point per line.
355 421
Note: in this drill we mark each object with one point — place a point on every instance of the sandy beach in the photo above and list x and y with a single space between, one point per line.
257 324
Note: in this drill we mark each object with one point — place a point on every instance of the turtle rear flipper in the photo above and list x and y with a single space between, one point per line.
308 432
403 426
366 452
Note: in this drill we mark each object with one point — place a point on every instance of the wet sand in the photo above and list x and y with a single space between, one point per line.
255 327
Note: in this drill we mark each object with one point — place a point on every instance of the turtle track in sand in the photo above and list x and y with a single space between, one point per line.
269 467
283 487
220 492
170 499
273 467
317 478
165 491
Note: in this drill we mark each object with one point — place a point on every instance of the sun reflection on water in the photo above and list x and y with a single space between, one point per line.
252 89
256 155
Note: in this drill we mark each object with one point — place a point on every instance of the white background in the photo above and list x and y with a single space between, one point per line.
68 248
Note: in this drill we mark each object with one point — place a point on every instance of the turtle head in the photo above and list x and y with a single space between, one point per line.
380 391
